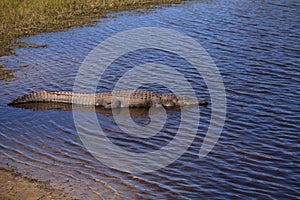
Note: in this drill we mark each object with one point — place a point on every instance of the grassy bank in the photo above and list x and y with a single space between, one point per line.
19 18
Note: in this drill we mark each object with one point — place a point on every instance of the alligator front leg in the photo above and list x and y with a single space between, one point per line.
111 104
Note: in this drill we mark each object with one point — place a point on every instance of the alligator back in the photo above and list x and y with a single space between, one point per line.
127 98
109 100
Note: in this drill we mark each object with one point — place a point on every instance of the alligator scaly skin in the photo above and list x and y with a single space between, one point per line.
110 100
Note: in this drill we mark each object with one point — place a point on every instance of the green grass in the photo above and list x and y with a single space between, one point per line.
20 18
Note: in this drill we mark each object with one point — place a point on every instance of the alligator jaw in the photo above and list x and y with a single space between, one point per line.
188 102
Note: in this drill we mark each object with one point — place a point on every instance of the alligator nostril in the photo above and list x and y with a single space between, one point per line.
203 103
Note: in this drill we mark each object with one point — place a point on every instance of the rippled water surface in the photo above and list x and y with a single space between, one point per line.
256 46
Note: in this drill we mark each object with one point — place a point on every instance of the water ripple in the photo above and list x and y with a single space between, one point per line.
255 45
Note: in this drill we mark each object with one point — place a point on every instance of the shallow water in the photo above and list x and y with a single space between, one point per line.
255 45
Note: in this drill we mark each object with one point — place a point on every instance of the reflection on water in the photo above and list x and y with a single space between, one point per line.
134 112
255 45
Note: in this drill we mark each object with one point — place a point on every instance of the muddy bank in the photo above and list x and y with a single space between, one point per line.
14 187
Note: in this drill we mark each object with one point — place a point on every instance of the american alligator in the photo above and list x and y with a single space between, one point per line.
109 100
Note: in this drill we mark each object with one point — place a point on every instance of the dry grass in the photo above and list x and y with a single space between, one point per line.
19 18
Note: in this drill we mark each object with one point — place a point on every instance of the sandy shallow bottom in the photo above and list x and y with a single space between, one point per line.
14 187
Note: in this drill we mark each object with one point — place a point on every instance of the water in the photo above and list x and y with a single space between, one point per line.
255 45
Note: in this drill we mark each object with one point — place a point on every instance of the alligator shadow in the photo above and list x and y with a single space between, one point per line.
134 112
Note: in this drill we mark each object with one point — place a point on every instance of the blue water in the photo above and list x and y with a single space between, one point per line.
256 47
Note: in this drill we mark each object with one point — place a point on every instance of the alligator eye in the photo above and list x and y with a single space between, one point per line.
169 104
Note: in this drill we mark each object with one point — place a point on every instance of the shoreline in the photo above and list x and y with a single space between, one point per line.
31 17
14 186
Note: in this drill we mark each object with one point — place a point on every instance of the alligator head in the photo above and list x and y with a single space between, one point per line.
171 100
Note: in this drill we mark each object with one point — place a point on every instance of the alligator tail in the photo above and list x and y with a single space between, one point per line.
59 97
32 97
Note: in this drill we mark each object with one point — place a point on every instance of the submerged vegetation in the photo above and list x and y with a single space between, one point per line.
20 18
